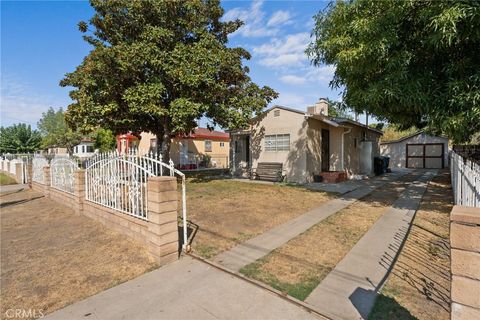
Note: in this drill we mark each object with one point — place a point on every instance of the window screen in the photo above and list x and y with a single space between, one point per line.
277 142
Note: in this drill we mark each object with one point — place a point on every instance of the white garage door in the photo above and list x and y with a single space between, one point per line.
427 155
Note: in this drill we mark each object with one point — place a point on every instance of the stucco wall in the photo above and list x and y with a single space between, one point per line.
314 155
195 147
294 160
352 148
397 150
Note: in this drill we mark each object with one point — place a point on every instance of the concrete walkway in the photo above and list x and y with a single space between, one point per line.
253 249
186 289
13 187
349 291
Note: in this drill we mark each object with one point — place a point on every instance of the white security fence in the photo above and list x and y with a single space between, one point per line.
62 169
465 180
38 162
9 164
119 181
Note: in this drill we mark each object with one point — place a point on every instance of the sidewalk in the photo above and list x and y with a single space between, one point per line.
253 249
349 291
13 188
186 289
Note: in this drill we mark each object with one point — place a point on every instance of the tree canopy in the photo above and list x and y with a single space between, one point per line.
19 138
413 63
55 132
104 140
160 66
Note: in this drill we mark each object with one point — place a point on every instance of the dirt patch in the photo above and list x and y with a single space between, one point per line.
224 212
419 284
51 257
301 264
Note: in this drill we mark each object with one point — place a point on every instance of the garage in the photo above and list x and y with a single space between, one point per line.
417 151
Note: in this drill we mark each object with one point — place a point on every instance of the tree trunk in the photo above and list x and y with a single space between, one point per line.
165 146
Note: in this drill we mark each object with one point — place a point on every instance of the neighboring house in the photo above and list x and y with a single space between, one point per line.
85 149
201 149
57 151
418 150
306 143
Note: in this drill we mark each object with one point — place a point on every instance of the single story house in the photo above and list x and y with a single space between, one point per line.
418 150
85 149
200 149
305 143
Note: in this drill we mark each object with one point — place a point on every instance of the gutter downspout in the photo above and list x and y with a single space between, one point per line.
343 147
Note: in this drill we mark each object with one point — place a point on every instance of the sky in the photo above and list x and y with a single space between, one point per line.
40 42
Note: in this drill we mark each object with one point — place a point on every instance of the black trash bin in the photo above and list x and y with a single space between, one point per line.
378 165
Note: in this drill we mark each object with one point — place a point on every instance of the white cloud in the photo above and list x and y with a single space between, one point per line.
279 18
255 22
293 79
20 104
288 51
323 74
292 100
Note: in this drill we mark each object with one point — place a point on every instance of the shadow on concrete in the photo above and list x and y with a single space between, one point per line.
17 202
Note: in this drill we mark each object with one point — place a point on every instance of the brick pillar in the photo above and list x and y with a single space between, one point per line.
465 262
79 190
19 172
29 174
162 236
46 181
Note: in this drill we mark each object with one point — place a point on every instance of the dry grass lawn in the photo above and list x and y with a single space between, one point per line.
6 179
51 257
225 212
301 264
419 285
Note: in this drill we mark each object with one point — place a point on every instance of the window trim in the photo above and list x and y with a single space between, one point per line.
274 139
205 146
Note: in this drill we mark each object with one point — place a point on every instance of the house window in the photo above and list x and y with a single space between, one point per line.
208 146
277 142
276 113
83 149
222 144
90 149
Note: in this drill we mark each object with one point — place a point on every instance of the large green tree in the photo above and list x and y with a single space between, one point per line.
160 66
55 131
19 138
413 63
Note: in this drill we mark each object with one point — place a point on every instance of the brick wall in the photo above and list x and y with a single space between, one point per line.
159 234
465 262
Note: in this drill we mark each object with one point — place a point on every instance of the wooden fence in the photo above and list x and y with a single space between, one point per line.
465 180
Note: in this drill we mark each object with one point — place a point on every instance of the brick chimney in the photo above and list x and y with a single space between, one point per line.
321 107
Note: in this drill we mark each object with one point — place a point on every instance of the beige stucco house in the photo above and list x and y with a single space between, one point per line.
200 149
306 143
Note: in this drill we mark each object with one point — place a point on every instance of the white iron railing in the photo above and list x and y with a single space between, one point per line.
62 175
119 181
13 165
465 180
38 162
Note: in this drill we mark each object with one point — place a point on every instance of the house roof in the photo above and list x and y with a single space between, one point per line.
408 137
204 133
356 123
332 121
